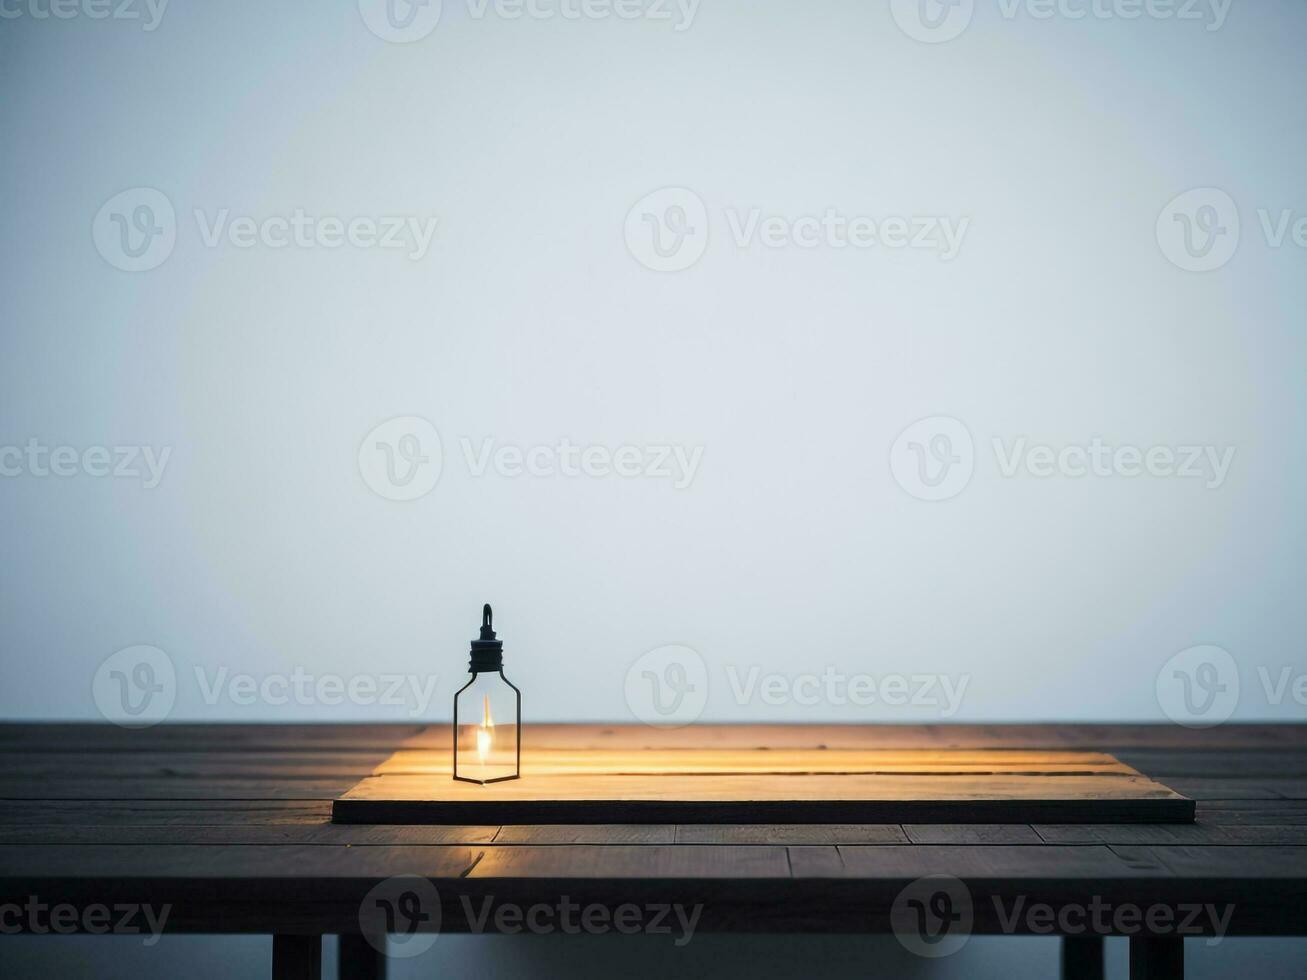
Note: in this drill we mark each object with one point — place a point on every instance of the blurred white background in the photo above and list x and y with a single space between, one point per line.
268 542
1054 144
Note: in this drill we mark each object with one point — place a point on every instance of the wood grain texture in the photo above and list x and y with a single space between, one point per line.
1253 812
320 833
31 737
981 833
806 762
231 823
792 833
859 786
1203 832
95 787
588 834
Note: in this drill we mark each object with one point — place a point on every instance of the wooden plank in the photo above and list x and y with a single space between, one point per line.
776 787
815 861
839 762
1266 863
1195 833
328 833
248 888
1229 763
641 862
55 813
764 787
1203 788
816 834
1092 737
264 864
1269 812
1241 765
587 834
779 811
981 833
195 869
1015 864
38 737
1203 832
231 869
321 834
30 737
1251 836
183 765
94 788
882 736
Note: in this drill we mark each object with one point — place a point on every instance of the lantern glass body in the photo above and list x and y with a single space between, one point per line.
487 729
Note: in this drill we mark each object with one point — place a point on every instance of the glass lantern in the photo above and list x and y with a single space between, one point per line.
487 715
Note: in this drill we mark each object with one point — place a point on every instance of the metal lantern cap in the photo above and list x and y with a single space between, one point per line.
487 649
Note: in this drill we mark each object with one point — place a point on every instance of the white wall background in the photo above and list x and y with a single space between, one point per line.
262 551
528 320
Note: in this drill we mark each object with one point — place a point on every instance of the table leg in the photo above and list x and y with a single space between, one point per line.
358 959
1152 958
296 957
1082 958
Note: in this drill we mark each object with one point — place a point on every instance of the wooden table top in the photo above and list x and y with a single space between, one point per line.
231 825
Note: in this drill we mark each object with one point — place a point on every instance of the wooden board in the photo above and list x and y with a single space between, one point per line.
784 786
198 816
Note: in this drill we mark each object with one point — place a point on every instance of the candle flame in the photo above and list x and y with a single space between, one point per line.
486 730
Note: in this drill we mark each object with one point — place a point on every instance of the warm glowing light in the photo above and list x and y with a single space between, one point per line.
497 756
485 731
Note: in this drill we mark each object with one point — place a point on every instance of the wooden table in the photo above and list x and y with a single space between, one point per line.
230 826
